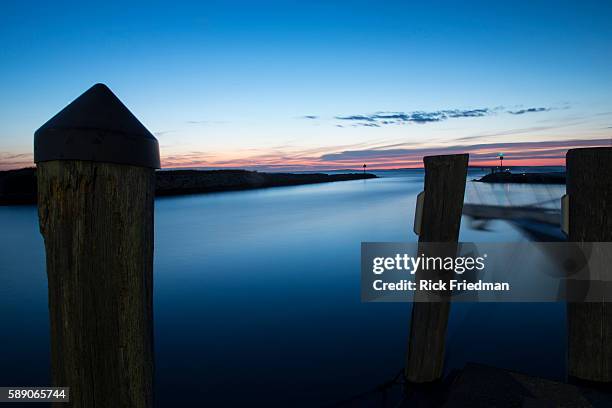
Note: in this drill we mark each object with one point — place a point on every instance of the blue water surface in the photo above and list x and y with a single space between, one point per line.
257 297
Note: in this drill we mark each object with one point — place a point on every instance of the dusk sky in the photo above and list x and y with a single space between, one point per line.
299 85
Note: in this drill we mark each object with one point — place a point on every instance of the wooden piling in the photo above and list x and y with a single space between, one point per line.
445 178
96 179
589 325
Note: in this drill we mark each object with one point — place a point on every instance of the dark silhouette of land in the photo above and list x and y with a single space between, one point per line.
524 178
19 186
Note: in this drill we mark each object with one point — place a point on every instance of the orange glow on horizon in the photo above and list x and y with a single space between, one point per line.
536 153
548 153
356 165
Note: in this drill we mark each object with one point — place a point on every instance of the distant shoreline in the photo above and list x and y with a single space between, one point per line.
524 178
18 187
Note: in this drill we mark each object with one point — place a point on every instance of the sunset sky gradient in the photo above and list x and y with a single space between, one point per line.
317 85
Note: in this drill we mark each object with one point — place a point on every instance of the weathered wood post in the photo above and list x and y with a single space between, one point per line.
589 325
96 179
445 178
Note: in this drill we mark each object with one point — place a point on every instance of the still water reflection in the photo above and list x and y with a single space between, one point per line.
257 296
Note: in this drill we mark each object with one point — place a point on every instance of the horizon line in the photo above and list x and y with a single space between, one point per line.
280 169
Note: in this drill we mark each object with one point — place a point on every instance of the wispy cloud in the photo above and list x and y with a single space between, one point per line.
382 118
424 117
510 132
529 110
357 117
420 117
204 122
162 132
479 153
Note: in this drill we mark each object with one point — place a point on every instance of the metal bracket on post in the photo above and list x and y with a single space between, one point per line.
565 214
418 213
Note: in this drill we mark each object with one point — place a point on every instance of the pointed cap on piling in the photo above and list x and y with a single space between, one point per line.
96 126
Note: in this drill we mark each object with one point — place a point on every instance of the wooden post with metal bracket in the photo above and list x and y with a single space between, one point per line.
437 219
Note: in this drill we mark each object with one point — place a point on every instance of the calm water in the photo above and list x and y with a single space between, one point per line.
257 295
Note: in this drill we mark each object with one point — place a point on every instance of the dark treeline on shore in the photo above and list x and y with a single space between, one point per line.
19 186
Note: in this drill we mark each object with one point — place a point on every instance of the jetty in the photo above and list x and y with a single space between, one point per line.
178 182
18 187
523 178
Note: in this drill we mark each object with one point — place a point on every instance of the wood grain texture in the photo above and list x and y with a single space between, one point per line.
97 224
445 178
589 325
